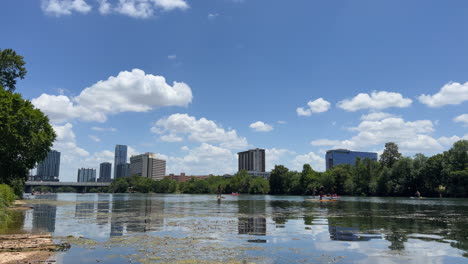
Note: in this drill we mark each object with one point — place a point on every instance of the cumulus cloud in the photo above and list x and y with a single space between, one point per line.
204 159
147 8
64 7
450 94
131 8
374 116
317 162
318 106
276 156
66 142
133 91
411 136
462 119
199 130
376 100
104 7
259 126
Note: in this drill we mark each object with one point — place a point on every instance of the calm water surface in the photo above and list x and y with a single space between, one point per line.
153 228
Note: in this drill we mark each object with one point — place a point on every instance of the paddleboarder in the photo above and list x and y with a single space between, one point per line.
321 192
219 191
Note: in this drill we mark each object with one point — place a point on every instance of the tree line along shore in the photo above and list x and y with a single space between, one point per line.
441 175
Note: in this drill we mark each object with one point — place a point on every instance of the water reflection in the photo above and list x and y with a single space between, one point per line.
355 227
253 221
44 215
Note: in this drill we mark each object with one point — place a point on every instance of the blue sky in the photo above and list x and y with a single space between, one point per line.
198 81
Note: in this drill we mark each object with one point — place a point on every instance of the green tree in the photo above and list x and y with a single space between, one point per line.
25 137
11 68
240 182
119 185
258 185
277 179
390 155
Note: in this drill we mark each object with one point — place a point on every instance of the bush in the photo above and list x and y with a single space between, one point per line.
7 195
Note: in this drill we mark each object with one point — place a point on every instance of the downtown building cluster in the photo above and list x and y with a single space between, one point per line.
148 165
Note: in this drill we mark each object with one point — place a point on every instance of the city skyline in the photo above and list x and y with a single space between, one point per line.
199 81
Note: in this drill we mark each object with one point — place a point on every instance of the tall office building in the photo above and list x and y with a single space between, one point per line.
49 168
105 172
147 165
124 170
86 175
120 158
343 156
252 160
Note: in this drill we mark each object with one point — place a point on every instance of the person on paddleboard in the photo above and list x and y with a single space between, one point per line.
321 192
219 191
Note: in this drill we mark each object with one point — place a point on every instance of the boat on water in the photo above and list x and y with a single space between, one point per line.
234 193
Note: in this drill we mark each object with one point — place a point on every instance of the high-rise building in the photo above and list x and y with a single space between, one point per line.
105 172
252 160
124 170
49 168
343 156
147 165
86 175
120 158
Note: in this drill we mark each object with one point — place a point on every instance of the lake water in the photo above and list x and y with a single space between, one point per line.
153 228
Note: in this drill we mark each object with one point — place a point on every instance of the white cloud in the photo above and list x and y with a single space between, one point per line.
201 130
282 122
147 8
411 136
317 162
318 106
132 8
213 16
324 142
375 116
275 156
259 126
111 129
171 138
64 7
202 160
376 100
448 141
449 94
172 57
462 119
94 138
104 7
132 91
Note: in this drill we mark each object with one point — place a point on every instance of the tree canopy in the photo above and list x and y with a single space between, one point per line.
390 154
25 137
11 68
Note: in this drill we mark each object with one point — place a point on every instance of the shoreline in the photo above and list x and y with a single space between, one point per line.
26 247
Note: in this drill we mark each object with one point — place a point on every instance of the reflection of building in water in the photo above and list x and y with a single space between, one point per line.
350 234
254 223
118 208
84 210
103 206
44 215
147 216
136 215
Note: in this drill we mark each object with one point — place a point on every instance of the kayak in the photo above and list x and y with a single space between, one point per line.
323 200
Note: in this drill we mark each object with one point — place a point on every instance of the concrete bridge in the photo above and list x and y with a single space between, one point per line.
79 186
